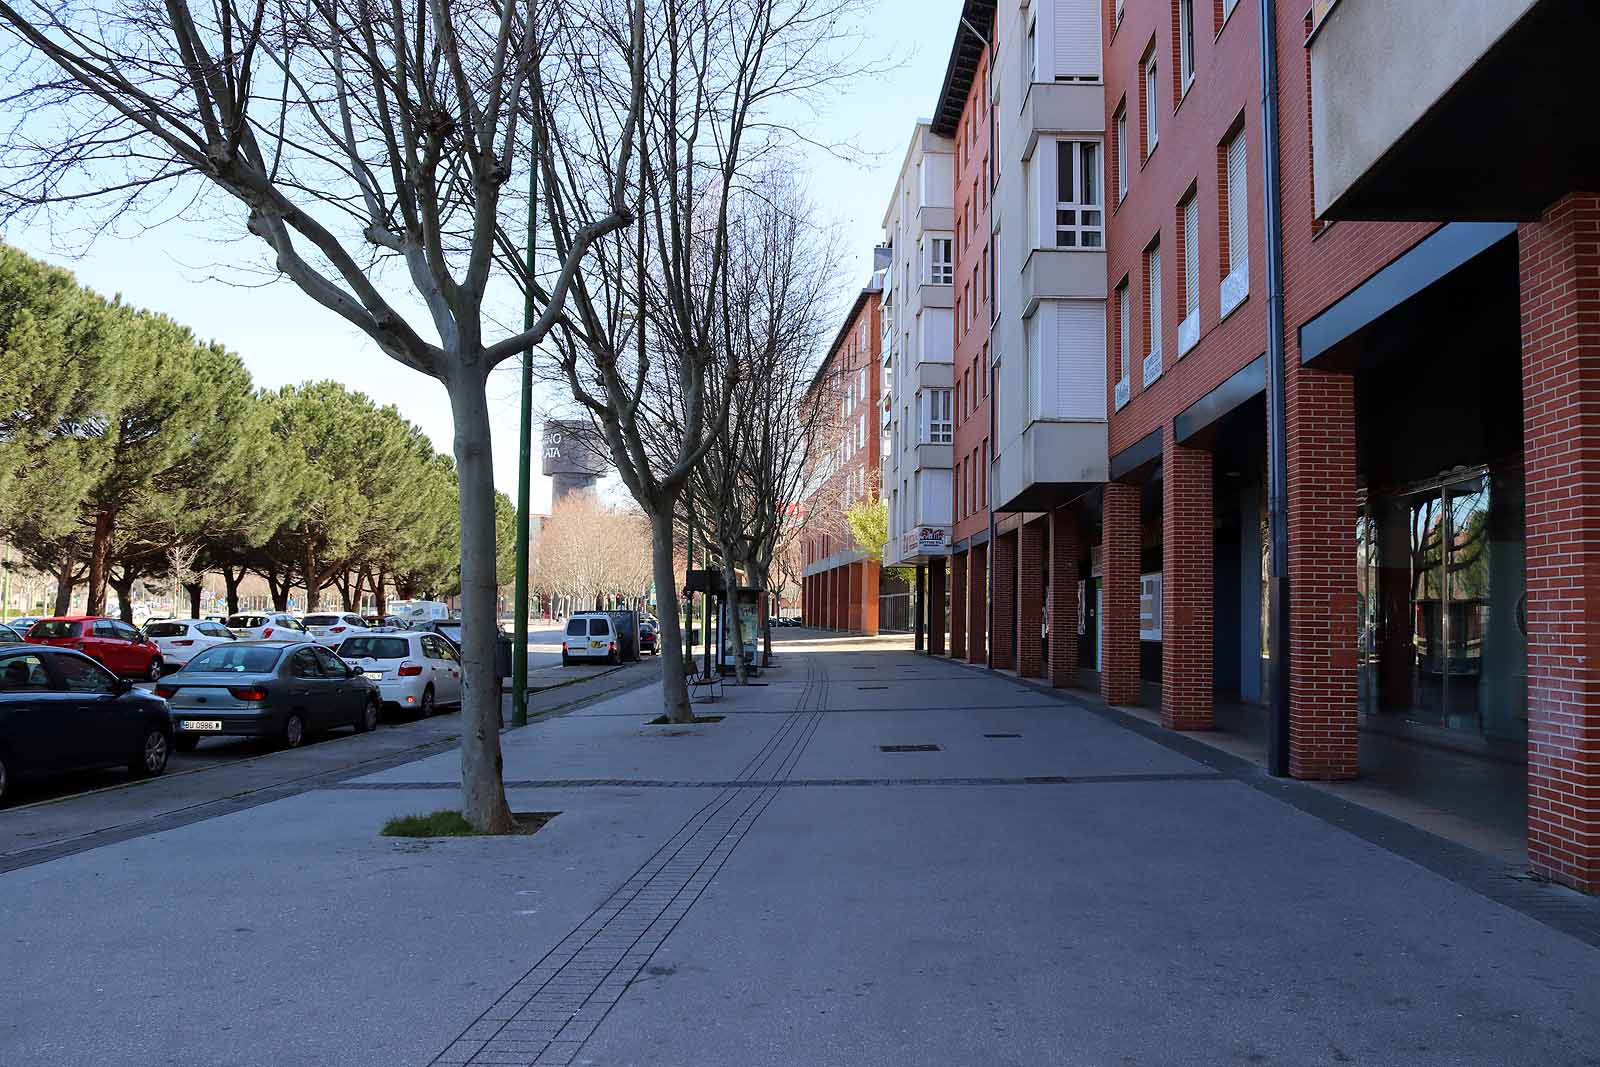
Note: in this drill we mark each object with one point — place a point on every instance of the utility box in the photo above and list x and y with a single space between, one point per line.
626 624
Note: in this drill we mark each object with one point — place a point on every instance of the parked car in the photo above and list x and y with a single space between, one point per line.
329 629
23 623
266 626
449 629
590 636
223 619
415 611
8 636
267 689
181 640
649 638
112 643
62 711
385 622
414 671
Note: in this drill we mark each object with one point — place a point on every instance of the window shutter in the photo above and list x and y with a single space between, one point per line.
1080 360
1077 41
1154 288
1191 256
1124 330
1238 205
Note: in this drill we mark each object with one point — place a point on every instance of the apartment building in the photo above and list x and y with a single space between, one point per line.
1439 352
841 580
919 366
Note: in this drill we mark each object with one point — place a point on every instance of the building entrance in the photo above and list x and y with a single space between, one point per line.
1442 639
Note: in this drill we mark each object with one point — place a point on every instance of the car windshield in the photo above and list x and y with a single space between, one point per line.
576 628
251 659
375 648
245 622
55 628
320 620
165 629
450 629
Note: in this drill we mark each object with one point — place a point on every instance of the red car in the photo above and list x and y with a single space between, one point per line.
117 646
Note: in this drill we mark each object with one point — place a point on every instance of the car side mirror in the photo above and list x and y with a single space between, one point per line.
349 671
122 685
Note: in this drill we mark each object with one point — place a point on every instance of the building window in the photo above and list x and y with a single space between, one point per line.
941 261
1185 44
1120 135
941 427
1116 15
1227 8
994 293
1124 341
1152 313
1033 55
1236 225
1189 328
1148 105
1078 216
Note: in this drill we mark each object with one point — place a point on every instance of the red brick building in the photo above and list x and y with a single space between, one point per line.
840 582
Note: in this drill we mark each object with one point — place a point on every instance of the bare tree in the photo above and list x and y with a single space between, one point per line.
349 136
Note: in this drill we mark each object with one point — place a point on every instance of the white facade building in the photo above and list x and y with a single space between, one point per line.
919 351
1049 213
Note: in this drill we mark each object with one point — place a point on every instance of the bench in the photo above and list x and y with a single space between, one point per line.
708 685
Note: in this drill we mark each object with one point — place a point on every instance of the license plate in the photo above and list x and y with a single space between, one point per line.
376 676
201 724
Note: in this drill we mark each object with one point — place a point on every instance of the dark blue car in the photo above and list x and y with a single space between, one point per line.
61 711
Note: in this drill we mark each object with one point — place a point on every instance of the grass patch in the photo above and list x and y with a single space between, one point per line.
447 822
662 720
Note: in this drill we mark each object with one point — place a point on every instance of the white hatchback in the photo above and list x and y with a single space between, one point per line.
181 640
414 671
266 626
331 630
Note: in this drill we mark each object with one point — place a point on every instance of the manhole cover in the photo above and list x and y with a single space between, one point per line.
1002 735
908 748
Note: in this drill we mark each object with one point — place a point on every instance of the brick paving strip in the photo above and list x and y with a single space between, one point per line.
553 1009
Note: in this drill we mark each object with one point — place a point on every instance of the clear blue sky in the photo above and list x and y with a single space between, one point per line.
284 338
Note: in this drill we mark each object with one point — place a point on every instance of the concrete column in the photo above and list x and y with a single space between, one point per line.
936 608
1003 598
1560 281
871 589
1062 654
1030 597
1186 577
977 602
958 606
1119 598
1321 432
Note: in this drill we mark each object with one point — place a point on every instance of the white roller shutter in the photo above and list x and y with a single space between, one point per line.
1124 331
1191 256
1077 40
1080 359
1153 288
1238 205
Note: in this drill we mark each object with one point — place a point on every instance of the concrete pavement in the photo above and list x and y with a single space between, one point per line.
1046 885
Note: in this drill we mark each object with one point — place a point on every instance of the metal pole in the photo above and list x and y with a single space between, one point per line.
1277 407
519 605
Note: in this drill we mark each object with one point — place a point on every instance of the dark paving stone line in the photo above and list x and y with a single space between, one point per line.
576 984
803 783
1506 884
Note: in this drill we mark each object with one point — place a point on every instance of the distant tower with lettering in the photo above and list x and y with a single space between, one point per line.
573 458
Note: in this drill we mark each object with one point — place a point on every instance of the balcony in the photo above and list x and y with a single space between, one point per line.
1440 110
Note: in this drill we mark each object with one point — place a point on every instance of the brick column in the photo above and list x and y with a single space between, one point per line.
841 597
871 589
977 602
1119 598
1560 279
830 598
936 608
1321 430
1030 598
1186 540
958 606
857 586
1062 668
1003 597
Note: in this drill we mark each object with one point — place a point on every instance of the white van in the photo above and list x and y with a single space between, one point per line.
590 636
415 611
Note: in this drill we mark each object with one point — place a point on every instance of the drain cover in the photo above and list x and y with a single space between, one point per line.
1002 735
908 748
872 687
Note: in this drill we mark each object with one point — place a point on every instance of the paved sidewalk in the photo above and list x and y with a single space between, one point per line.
1047 886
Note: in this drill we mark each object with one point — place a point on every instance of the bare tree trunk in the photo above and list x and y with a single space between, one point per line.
313 585
674 686
124 588
741 672
100 561
483 795
64 584
230 580
193 589
380 600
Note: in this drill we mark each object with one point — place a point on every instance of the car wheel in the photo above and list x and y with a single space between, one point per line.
186 742
154 673
151 759
426 710
294 731
369 717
